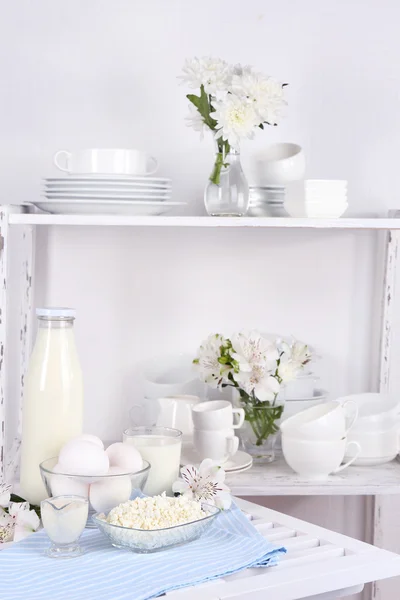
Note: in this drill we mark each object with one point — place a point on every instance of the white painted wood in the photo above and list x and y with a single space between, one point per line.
4 232
26 268
336 567
278 479
196 221
382 536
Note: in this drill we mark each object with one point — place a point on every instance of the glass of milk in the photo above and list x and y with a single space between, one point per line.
161 447
64 519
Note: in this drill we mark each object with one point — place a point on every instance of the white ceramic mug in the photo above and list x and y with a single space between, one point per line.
325 421
218 445
104 161
215 415
316 460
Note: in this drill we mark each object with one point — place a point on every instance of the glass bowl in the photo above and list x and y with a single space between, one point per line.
145 541
103 491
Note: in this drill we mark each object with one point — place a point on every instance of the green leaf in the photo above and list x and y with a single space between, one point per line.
261 126
194 100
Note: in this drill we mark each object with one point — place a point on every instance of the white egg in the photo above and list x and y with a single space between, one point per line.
125 456
88 437
63 485
110 491
83 458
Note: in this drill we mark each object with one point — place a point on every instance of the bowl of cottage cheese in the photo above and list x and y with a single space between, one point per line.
154 523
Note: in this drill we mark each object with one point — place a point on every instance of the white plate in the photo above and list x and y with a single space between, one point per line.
318 395
239 461
370 462
105 178
108 196
104 207
105 185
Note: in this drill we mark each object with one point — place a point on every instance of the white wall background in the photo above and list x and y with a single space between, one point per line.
102 73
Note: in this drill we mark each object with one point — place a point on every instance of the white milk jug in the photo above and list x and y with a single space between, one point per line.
53 397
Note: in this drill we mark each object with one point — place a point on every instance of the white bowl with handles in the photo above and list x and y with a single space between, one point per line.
315 460
327 421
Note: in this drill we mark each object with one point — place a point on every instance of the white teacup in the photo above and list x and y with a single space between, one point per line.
316 460
325 421
218 445
104 161
215 415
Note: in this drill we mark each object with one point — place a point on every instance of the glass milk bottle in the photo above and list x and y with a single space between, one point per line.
53 397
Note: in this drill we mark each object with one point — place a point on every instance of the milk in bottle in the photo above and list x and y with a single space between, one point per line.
53 397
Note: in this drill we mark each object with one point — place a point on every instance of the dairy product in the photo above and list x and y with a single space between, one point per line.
53 400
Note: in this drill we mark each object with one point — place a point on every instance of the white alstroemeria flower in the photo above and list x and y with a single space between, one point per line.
7 524
209 368
195 120
300 353
250 348
204 484
5 495
26 522
215 74
264 93
288 370
236 119
259 382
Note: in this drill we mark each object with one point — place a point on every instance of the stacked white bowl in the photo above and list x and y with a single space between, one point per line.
273 168
317 198
314 441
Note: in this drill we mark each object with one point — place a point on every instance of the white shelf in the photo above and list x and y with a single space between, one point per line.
197 221
278 479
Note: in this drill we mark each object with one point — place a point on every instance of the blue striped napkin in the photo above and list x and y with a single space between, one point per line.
105 573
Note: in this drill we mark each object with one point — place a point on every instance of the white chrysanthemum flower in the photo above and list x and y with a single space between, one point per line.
195 120
236 119
208 366
215 74
265 93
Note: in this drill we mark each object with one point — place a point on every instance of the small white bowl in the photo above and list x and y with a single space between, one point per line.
280 163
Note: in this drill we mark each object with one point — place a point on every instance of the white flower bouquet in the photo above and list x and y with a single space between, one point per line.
234 102
17 517
257 368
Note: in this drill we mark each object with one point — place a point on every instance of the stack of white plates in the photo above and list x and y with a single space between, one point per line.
267 201
107 194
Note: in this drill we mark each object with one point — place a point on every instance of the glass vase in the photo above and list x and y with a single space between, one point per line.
227 192
260 430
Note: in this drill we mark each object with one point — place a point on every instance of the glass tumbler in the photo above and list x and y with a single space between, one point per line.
64 519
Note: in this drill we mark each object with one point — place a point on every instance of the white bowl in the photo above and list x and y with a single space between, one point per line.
376 412
377 447
280 163
316 460
329 420
300 388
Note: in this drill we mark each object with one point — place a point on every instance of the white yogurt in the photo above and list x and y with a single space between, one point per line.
64 525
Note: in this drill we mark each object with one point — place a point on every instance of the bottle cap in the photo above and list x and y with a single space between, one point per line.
56 312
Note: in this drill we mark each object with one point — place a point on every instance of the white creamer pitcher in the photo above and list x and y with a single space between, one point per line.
53 397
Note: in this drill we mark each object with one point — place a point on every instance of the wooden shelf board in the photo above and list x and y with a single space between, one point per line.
278 479
26 218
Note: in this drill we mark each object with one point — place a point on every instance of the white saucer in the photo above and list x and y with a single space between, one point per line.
370 462
319 394
238 462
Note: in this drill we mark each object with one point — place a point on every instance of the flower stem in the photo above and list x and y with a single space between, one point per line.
223 151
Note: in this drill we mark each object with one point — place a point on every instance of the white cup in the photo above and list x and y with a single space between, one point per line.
217 445
316 460
103 161
325 421
215 415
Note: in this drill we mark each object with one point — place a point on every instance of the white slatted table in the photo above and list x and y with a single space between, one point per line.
319 563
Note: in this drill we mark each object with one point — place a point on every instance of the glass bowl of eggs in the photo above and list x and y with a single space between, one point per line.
105 477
